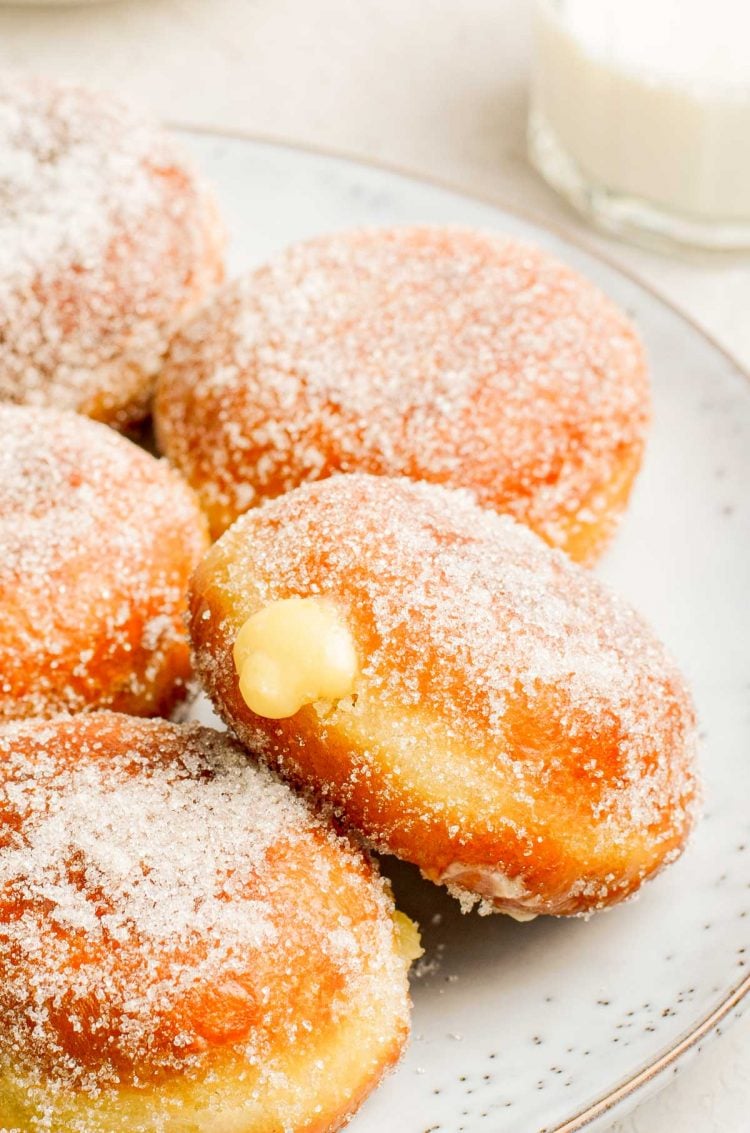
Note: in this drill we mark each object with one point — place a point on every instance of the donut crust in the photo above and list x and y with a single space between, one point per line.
275 998
99 540
110 239
440 354
516 731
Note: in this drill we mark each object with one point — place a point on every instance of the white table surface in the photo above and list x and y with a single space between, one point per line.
438 87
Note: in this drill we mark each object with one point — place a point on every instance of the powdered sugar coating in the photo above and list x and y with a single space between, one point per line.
107 240
516 729
97 542
443 354
164 900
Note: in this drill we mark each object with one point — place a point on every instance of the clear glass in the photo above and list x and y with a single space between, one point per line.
640 115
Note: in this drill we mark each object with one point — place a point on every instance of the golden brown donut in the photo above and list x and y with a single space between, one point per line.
108 239
97 542
443 354
183 946
465 696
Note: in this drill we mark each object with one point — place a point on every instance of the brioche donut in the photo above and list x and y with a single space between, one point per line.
107 240
441 354
463 695
97 543
183 946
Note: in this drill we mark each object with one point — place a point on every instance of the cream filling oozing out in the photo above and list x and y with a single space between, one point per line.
294 652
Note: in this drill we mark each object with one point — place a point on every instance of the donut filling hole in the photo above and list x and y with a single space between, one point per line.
294 652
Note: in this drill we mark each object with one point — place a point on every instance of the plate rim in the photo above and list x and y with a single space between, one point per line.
736 1000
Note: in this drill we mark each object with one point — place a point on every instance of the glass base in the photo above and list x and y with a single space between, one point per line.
635 219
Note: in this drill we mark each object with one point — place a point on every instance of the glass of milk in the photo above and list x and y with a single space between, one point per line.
640 115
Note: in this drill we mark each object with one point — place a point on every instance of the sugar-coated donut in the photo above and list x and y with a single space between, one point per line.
107 240
441 354
183 946
465 696
97 543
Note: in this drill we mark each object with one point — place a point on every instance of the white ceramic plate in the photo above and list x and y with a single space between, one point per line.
555 1026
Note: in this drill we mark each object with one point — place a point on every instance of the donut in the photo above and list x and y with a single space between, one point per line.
183 945
465 696
442 354
97 543
108 240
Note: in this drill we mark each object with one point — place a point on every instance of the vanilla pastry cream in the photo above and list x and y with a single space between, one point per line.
293 652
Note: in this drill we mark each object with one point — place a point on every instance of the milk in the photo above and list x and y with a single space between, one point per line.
650 99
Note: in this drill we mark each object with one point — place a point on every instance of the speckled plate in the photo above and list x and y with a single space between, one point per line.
557 1026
